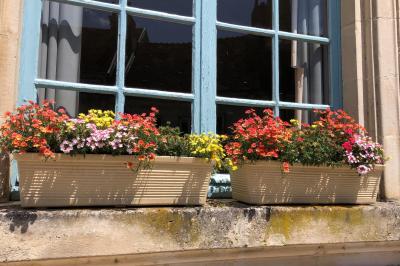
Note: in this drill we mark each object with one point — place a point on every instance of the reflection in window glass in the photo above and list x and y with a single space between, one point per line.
78 102
174 113
303 16
303 116
89 101
244 66
228 115
303 72
77 45
180 7
158 55
254 13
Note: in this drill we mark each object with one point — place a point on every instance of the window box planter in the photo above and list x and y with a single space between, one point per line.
104 180
264 183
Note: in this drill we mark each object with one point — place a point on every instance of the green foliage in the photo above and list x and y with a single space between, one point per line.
313 146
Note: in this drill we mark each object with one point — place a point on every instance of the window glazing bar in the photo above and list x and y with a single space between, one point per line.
91 4
244 102
302 37
245 29
120 79
81 87
303 106
196 70
163 16
275 57
270 33
157 94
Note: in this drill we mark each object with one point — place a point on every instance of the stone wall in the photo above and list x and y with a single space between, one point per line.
370 52
10 28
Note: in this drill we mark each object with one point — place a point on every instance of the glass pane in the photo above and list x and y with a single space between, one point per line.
179 7
244 65
227 115
254 13
77 102
303 72
303 116
303 16
175 113
78 44
158 55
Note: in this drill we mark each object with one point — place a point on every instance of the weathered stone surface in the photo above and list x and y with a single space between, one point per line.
53 233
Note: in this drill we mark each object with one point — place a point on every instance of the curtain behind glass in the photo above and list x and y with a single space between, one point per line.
60 51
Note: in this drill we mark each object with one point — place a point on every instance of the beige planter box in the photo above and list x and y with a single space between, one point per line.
265 183
104 180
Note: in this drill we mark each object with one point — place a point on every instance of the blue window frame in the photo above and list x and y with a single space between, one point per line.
203 97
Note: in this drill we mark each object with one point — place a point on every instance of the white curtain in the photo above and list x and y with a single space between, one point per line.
60 51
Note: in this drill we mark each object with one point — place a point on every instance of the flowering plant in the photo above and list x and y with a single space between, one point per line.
99 132
257 137
334 139
35 128
32 128
210 146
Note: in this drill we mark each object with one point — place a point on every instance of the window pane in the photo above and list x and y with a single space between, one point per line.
158 55
303 16
303 72
244 66
227 115
78 44
77 102
303 116
180 7
175 113
254 13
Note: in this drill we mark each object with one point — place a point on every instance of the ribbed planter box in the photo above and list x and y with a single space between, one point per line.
264 183
104 180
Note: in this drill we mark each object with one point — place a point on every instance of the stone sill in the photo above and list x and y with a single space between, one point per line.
60 233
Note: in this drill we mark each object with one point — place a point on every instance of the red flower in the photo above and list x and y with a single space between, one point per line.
347 146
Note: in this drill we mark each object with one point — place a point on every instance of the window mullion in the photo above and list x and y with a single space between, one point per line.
196 69
275 56
122 28
208 66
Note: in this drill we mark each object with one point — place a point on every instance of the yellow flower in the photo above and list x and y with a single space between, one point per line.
102 119
208 146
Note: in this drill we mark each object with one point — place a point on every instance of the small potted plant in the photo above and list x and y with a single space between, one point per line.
97 160
330 161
